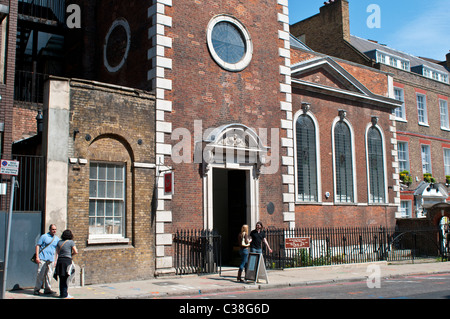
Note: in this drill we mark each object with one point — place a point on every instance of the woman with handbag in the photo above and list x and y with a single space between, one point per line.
65 250
244 241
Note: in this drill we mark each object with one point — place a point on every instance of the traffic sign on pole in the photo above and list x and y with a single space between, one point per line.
8 167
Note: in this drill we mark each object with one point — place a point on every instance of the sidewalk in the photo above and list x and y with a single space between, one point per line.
194 284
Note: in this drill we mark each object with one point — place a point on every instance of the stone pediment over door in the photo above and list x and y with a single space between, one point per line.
234 145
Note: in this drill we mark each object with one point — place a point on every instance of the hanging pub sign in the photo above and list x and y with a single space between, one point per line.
168 183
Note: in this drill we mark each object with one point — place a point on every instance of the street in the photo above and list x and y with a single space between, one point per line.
436 286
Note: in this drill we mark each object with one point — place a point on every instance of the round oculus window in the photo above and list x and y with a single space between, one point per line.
229 43
117 45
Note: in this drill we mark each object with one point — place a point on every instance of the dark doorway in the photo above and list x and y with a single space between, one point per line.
229 210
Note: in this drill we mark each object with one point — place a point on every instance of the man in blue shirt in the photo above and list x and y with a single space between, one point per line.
45 257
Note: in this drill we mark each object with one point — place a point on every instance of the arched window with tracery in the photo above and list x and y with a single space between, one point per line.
306 153
375 154
343 153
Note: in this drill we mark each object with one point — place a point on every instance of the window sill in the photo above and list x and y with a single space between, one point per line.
111 240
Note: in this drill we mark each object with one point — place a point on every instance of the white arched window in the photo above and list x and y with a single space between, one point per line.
376 165
307 158
343 153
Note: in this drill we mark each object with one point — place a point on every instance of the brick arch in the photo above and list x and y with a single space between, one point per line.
115 134
437 212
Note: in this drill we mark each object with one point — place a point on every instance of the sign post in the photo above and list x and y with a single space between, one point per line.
8 167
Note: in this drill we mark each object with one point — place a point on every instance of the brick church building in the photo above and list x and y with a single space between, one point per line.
251 125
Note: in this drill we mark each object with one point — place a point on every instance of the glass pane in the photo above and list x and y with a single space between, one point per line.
109 208
92 189
91 208
102 171
100 208
101 191
110 190
100 221
118 209
93 171
119 173
228 42
110 172
119 190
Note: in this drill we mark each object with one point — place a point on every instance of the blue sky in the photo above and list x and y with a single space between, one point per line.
418 27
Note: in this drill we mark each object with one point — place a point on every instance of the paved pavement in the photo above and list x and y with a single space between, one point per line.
189 285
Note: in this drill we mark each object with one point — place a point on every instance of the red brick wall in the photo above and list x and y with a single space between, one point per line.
25 124
329 214
202 90
7 85
375 81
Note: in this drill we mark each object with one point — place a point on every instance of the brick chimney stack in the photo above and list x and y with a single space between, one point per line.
336 13
326 31
448 60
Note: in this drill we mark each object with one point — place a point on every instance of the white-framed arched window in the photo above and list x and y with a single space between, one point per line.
307 157
376 164
344 161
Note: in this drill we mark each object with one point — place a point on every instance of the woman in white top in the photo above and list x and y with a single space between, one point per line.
244 241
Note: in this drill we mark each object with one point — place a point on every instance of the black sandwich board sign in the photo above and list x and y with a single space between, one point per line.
256 268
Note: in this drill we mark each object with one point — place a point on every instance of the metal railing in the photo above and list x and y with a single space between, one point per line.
30 188
50 10
331 246
197 252
29 86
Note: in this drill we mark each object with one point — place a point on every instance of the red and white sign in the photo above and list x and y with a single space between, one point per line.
297 242
9 167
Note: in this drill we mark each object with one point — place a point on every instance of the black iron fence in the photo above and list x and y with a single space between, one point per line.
331 246
30 188
197 252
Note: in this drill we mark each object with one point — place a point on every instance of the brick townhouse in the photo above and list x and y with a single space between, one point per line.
252 128
421 123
